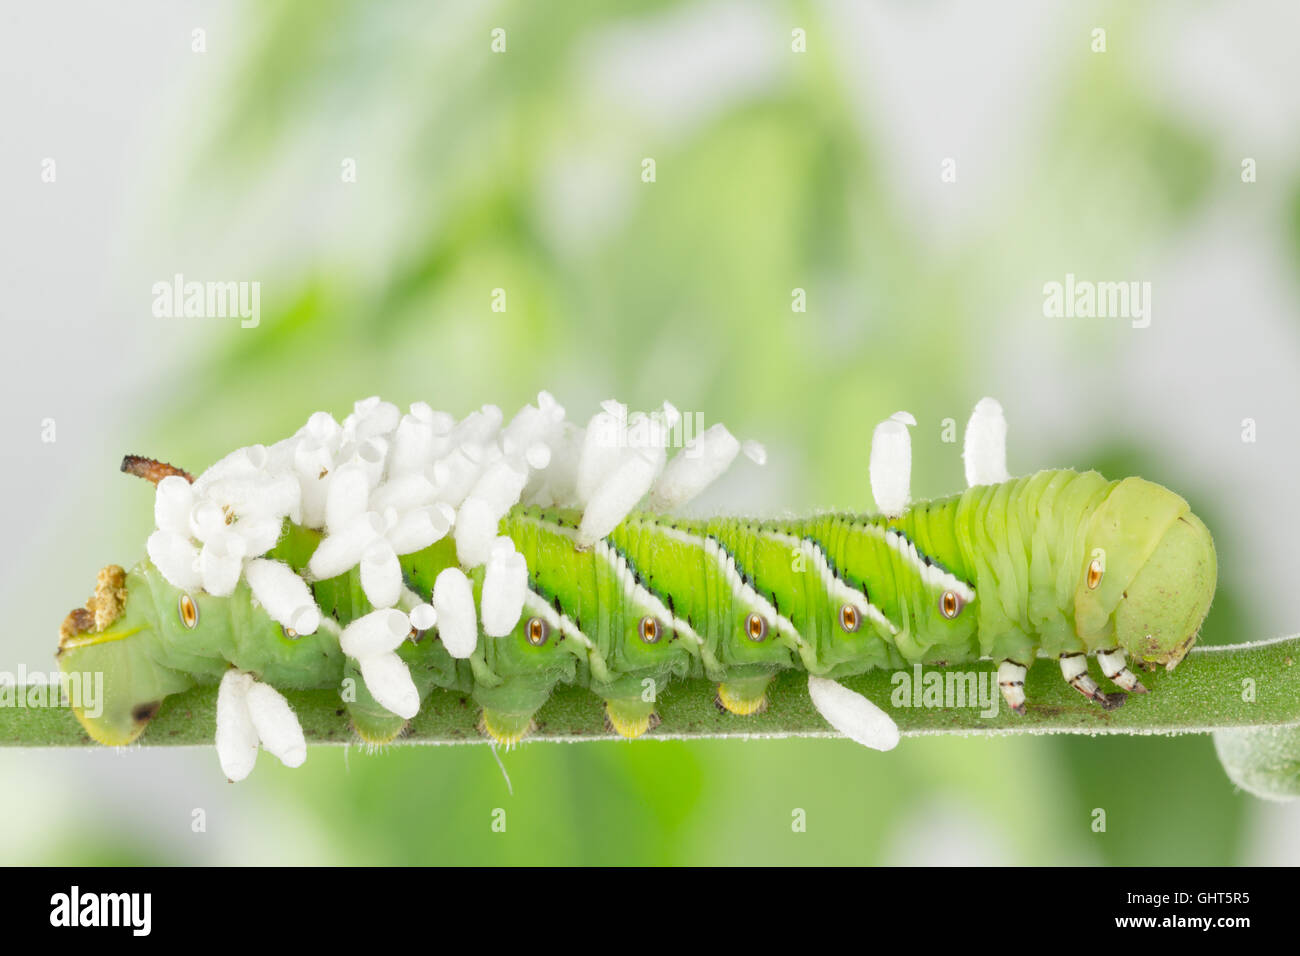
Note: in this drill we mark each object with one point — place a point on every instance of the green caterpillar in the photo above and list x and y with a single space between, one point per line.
1056 564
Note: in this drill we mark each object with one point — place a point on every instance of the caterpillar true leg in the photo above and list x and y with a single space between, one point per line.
1116 670
1011 681
1074 668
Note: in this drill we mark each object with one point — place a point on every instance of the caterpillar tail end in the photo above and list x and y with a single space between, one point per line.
506 729
743 697
630 717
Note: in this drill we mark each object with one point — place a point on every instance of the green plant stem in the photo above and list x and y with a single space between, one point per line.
1209 691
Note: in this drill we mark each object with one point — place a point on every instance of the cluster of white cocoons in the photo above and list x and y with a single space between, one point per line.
250 713
383 483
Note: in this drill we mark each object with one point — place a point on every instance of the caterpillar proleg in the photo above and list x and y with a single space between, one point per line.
394 556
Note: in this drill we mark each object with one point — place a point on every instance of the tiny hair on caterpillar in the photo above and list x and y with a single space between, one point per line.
393 556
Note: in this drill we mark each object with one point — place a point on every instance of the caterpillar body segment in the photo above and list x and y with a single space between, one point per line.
1058 564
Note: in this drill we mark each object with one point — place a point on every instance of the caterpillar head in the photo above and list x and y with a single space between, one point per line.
1149 575
107 639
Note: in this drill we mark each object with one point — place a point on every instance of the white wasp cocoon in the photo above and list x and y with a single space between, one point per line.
755 451
324 428
348 495
694 468
891 465
207 520
312 463
176 559
240 463
412 443
985 446
173 501
619 493
276 724
476 529
220 563
456 473
505 585
236 735
500 486
258 534
417 529
852 714
341 552
423 617
381 574
603 445
389 681
538 455
283 594
379 632
453 600
413 489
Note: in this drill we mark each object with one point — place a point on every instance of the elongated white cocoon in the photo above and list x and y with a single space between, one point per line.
220 564
500 486
985 450
348 496
412 444
389 681
476 528
414 489
538 455
172 504
416 530
378 419
694 468
259 534
236 735
754 451
891 467
341 552
381 574
371 455
379 632
618 495
852 714
505 584
261 495
240 463
276 724
453 600
456 473
305 620
312 463
284 594
207 520
530 424
176 559
549 407
423 617
324 428
603 445
480 427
